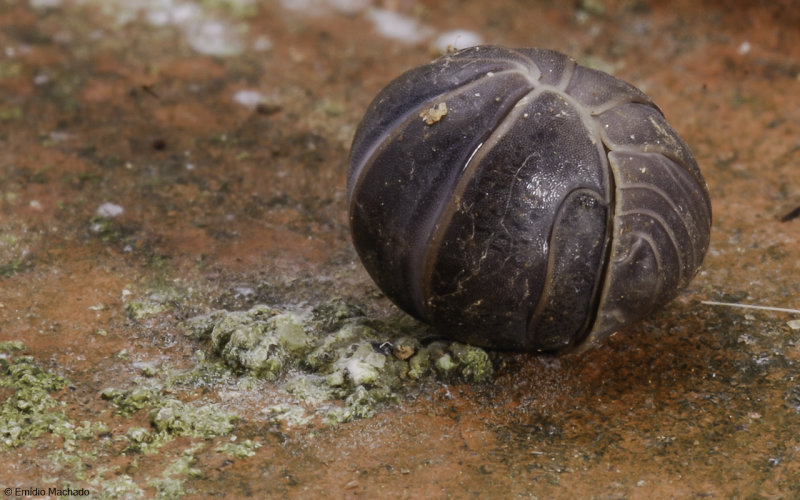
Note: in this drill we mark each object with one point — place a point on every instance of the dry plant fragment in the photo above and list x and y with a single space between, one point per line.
750 306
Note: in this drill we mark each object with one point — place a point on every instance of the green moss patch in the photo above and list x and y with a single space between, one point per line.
29 410
181 419
332 359
246 448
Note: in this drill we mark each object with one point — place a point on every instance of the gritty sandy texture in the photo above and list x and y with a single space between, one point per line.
162 160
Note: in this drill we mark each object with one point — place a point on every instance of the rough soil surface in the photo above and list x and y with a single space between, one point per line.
166 164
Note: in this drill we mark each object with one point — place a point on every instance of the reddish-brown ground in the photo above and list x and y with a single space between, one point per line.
697 401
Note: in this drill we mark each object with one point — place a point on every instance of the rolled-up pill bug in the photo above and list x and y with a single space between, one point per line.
515 199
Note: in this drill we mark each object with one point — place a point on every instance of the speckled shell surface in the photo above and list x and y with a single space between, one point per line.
515 199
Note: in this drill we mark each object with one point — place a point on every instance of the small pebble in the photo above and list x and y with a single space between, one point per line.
248 98
398 27
403 352
109 210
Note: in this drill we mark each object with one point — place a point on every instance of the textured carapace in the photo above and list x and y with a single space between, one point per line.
515 199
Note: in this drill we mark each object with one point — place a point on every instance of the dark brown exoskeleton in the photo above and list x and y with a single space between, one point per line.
515 199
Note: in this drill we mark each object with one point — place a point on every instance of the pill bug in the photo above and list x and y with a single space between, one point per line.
515 199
